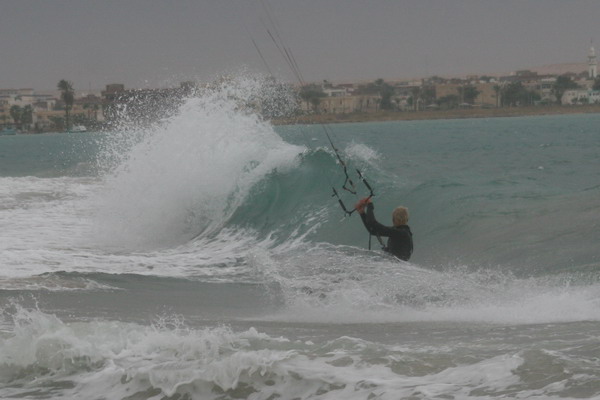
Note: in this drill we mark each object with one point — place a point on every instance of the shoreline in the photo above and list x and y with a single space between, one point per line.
381 116
387 116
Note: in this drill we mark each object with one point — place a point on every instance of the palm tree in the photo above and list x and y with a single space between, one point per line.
16 112
312 94
497 89
468 94
562 84
27 116
68 96
86 106
385 91
416 93
96 107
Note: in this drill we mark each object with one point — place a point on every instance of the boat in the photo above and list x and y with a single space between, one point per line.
78 128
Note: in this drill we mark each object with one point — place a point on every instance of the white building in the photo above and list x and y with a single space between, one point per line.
24 97
581 96
335 91
545 88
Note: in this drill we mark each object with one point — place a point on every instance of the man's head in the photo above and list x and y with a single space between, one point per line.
400 216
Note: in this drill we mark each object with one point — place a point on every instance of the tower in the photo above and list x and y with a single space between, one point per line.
592 63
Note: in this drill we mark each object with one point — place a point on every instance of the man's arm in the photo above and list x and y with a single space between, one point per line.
374 227
363 217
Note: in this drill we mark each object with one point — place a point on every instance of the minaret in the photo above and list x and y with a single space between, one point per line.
592 63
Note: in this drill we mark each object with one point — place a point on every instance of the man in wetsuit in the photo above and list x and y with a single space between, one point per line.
400 242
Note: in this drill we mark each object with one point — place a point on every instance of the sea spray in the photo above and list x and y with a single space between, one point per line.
339 284
186 175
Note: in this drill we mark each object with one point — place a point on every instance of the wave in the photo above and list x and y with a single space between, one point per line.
190 173
326 284
45 355
53 282
213 194
347 285
214 170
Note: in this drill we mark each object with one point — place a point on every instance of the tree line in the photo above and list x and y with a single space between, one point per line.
281 103
510 94
22 117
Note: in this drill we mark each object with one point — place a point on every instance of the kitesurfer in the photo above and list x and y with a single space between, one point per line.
399 236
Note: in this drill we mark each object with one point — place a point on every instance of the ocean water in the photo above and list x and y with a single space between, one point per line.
204 258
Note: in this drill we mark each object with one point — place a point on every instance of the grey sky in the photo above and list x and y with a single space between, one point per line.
151 43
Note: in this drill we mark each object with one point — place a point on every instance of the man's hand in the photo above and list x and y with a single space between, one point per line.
362 203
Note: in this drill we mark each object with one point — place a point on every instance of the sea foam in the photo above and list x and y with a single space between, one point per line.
169 359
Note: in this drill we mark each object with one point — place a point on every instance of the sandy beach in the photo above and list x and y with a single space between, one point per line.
439 114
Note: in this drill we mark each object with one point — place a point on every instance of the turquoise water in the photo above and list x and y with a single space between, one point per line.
482 189
47 155
204 258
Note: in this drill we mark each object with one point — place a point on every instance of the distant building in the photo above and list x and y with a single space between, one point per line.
581 96
24 98
343 98
112 91
92 106
486 93
592 63
335 91
545 88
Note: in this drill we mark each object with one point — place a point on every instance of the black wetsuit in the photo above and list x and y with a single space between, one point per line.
399 242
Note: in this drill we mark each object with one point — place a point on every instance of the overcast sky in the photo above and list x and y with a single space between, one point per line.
152 43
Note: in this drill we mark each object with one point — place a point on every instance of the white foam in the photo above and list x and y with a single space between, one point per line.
168 359
42 223
119 359
335 285
362 152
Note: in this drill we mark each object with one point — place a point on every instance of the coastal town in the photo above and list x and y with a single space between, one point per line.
565 89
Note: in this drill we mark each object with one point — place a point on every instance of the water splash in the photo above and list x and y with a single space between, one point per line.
189 173
340 284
